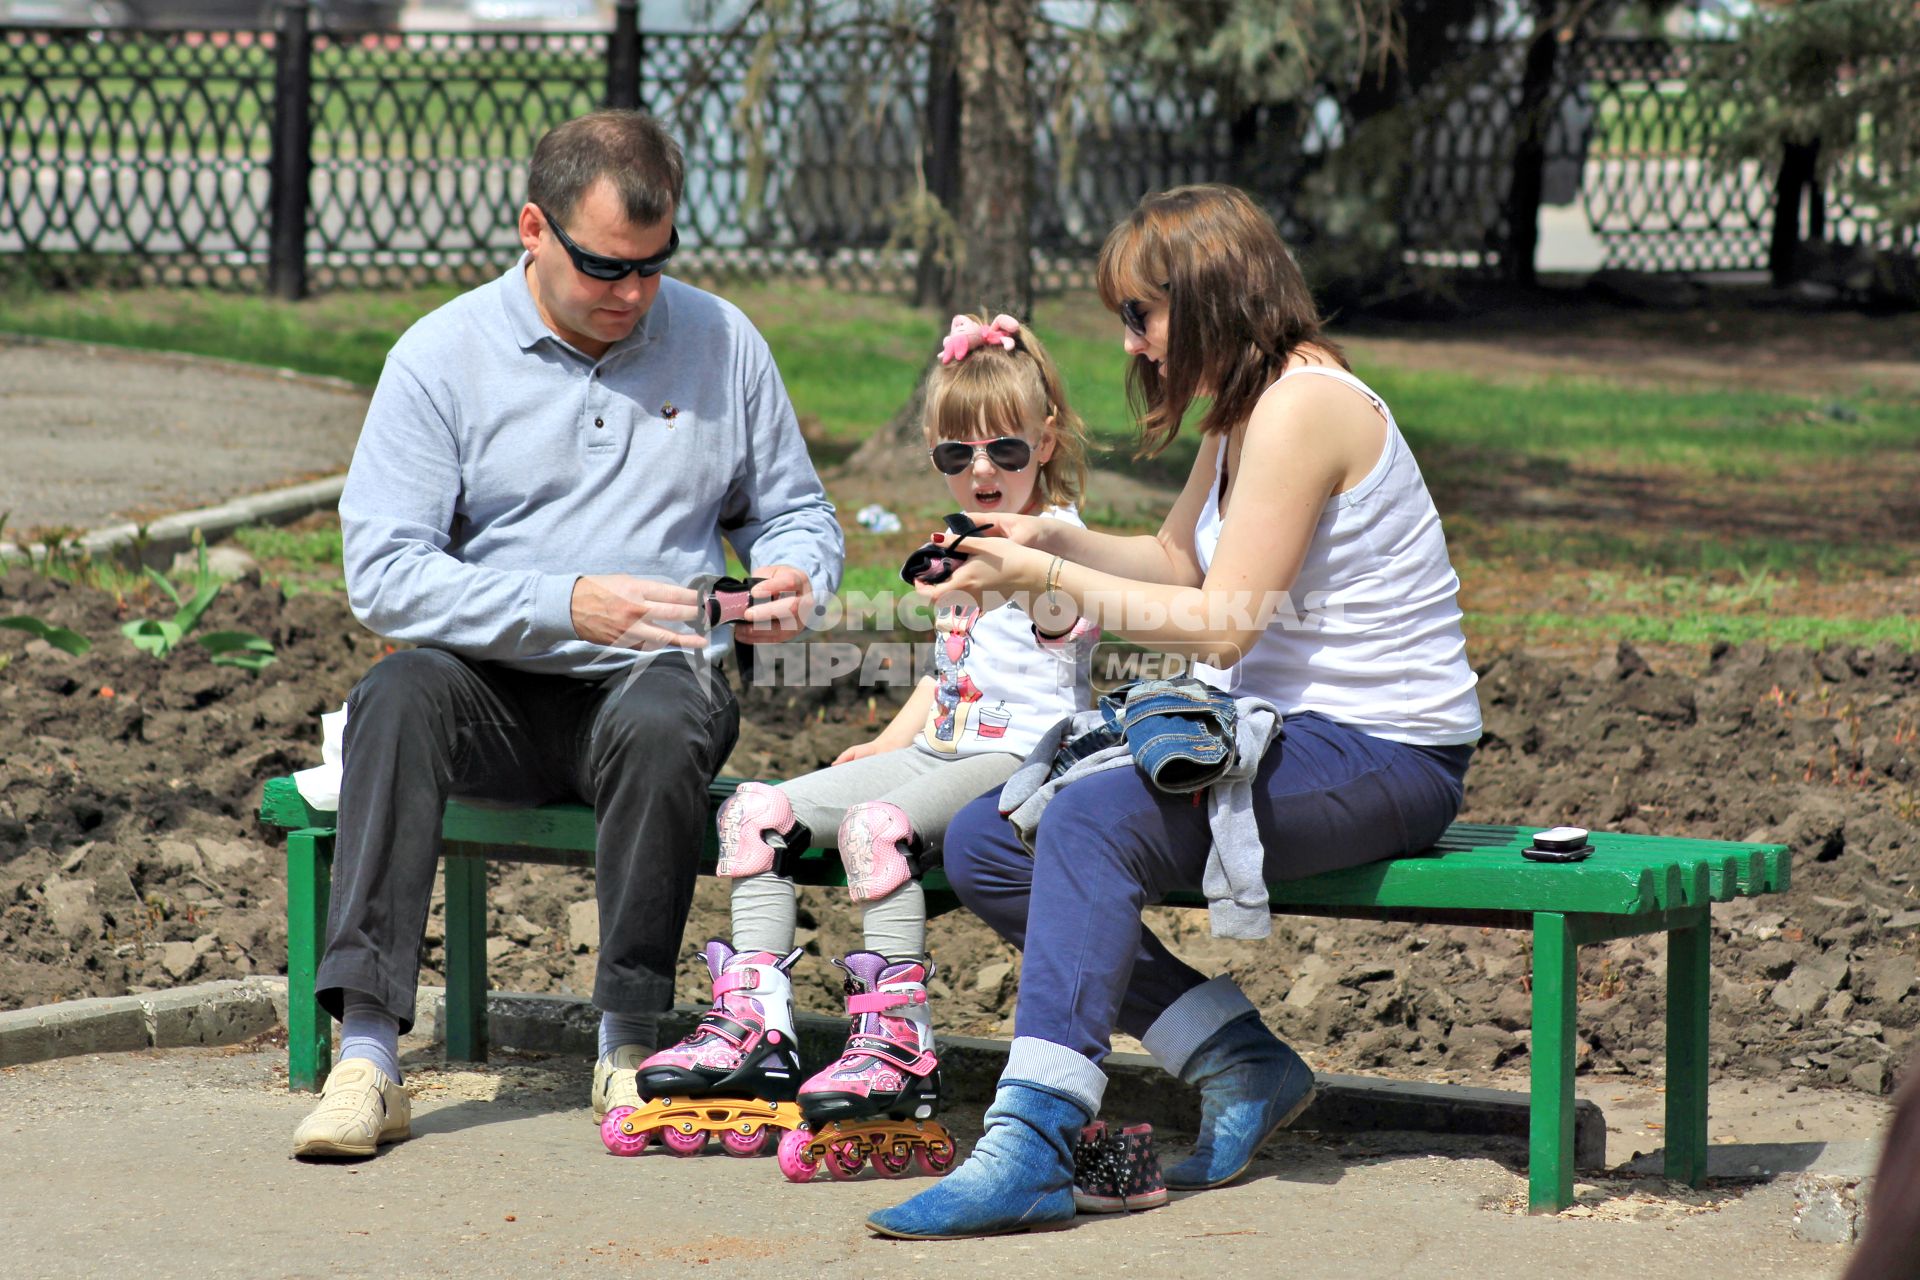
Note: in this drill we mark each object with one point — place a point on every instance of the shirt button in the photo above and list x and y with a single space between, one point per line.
599 422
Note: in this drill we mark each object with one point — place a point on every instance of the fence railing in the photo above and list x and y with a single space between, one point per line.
304 158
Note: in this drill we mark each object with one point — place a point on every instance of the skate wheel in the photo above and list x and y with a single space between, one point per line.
795 1161
844 1160
681 1143
892 1163
934 1163
620 1137
736 1143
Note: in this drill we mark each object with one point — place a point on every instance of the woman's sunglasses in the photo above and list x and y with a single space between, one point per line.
1008 453
601 267
1133 314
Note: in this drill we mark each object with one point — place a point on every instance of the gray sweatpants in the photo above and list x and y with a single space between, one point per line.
929 788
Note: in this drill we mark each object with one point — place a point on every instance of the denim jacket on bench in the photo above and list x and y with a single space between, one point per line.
1180 731
1235 878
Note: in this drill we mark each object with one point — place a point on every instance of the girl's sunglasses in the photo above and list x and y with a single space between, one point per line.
600 267
1008 453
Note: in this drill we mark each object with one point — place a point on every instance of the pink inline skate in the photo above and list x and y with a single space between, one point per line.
878 1101
735 1075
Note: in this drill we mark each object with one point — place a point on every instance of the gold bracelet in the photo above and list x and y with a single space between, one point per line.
1048 598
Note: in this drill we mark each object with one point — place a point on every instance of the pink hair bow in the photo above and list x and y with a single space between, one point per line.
968 335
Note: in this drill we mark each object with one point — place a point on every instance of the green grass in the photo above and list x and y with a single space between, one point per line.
305 559
1722 434
1699 628
1663 551
850 360
343 335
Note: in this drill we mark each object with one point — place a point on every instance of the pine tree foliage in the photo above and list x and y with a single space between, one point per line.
1841 77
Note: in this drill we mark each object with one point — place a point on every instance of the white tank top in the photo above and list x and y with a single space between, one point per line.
1372 636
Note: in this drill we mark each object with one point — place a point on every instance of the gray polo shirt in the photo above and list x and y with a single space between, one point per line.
498 464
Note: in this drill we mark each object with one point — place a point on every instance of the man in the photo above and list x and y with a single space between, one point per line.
547 463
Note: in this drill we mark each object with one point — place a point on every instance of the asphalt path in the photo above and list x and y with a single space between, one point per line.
94 436
176 1163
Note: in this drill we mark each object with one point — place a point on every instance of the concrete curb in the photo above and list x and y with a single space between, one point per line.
232 1012
212 1013
170 535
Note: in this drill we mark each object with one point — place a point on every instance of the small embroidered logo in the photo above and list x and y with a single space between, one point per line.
668 412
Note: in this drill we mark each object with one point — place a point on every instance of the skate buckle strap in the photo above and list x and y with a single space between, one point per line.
736 980
727 1028
900 1055
881 1001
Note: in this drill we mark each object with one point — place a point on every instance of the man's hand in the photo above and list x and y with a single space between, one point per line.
625 612
785 596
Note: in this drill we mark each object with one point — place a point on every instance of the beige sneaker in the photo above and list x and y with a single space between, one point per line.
359 1110
615 1083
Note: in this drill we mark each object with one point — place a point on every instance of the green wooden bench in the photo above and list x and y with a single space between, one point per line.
1632 885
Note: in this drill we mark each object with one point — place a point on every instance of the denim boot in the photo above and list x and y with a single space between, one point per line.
1251 1087
1019 1176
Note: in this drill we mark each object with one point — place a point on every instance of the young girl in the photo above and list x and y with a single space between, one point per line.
1002 437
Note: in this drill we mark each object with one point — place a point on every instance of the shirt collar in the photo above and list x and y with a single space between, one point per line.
529 330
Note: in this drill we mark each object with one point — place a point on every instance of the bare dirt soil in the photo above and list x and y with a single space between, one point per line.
130 856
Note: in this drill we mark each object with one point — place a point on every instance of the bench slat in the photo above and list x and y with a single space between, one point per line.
1474 866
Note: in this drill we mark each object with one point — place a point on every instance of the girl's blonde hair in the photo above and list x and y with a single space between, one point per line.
995 392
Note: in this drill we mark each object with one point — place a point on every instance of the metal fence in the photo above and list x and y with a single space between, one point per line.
381 159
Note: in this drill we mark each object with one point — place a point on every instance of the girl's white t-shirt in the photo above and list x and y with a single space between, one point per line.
1369 634
997 685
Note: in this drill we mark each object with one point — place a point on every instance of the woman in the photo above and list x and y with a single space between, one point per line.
1303 564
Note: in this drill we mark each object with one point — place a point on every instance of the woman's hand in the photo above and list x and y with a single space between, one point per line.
1027 531
994 567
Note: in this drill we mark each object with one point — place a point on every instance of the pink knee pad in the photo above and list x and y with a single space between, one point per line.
749 816
874 838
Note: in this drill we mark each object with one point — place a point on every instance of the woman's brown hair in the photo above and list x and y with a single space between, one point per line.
1237 305
996 392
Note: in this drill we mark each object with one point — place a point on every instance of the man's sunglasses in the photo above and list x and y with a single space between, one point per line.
1008 453
601 267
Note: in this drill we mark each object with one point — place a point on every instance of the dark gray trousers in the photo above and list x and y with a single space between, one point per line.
425 725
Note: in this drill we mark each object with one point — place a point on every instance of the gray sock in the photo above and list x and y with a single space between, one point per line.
896 925
368 1031
764 914
620 1029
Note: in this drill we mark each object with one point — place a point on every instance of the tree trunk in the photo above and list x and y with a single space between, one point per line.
1531 120
996 158
942 149
994 204
1798 169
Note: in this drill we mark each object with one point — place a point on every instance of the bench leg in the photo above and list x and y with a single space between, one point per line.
1688 951
465 1016
1550 1112
309 887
